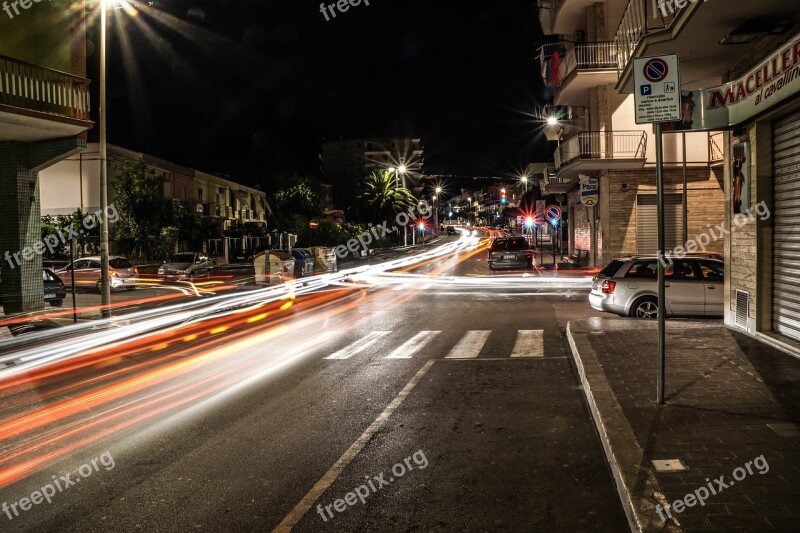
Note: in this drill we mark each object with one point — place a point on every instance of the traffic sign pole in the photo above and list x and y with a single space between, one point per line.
657 99
662 296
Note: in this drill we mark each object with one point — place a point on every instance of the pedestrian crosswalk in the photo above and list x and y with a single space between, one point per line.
471 345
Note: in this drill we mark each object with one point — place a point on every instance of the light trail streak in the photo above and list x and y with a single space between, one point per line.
67 393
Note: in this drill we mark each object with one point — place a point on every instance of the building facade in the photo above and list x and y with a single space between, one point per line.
592 119
44 116
740 76
240 212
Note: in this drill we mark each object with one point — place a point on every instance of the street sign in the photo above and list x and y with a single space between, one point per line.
656 89
553 213
540 207
589 190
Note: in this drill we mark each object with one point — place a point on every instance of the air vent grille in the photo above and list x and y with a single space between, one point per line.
742 306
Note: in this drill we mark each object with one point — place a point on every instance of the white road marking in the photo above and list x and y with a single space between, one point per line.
413 345
470 345
530 343
358 346
302 507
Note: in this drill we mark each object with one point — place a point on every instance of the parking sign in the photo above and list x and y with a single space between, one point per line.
656 89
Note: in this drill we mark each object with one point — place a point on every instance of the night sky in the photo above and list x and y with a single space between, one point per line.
250 88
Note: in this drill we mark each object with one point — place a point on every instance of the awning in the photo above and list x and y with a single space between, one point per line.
242 197
265 205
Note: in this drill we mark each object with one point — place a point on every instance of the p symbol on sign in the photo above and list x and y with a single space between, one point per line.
647 89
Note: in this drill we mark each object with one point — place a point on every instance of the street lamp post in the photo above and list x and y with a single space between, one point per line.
436 208
105 289
397 172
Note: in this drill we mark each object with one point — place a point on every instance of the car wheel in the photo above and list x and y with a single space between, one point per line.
646 307
56 303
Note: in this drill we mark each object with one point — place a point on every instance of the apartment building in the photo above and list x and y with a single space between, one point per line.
591 116
740 75
346 162
44 116
240 212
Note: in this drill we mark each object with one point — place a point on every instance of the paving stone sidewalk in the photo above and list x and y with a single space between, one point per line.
730 401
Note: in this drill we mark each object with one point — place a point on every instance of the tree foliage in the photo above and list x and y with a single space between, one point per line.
383 198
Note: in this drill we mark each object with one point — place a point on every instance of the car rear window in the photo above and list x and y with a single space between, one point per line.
510 244
120 262
643 269
612 268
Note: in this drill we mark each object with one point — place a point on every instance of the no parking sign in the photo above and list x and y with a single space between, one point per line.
553 213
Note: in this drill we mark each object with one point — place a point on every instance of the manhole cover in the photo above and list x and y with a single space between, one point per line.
669 465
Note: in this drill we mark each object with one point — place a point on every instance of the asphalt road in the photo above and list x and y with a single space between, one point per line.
441 405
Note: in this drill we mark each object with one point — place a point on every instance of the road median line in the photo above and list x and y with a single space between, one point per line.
302 507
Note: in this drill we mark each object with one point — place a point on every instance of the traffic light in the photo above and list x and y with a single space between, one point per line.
503 199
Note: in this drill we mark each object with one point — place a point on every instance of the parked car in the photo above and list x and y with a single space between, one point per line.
122 273
510 253
54 289
629 287
186 265
451 230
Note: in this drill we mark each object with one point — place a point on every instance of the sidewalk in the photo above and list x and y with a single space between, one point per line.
729 400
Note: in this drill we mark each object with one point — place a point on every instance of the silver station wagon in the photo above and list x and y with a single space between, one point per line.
629 287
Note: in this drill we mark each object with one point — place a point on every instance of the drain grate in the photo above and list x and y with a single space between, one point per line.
669 465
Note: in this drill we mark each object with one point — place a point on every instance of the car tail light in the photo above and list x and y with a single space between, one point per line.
136 271
62 287
609 286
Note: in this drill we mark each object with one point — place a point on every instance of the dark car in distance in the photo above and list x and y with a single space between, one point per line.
54 290
510 253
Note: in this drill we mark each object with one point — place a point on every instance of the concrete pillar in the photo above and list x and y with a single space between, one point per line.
20 233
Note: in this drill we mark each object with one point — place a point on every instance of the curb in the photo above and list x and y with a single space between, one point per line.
638 489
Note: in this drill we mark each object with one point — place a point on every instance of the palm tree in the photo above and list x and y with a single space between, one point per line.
383 197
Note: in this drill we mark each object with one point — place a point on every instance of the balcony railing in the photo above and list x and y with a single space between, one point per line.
577 56
37 88
602 145
638 20
588 56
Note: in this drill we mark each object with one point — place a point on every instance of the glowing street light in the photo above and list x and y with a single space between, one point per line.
552 121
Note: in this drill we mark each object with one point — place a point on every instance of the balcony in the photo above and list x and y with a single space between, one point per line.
557 185
38 103
593 151
700 35
585 66
563 16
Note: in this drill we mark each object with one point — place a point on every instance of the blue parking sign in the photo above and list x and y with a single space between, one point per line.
647 89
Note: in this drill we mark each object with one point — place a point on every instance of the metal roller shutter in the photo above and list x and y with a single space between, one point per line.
786 220
647 222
